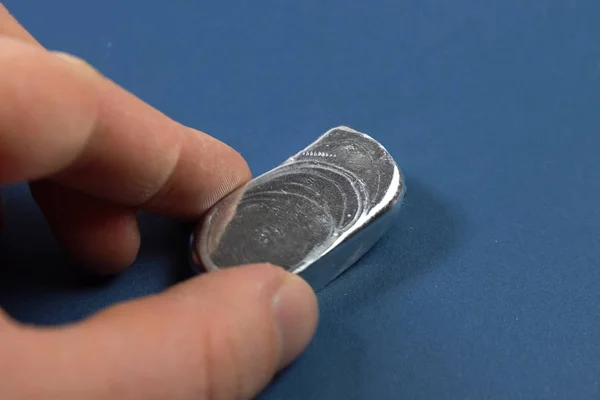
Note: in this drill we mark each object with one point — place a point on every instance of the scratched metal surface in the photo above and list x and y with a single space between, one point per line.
301 211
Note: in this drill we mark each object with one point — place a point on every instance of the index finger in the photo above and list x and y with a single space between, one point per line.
9 26
62 119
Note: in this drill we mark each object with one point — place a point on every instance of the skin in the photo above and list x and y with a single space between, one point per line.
93 155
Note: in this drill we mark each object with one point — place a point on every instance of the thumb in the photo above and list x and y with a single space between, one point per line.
219 336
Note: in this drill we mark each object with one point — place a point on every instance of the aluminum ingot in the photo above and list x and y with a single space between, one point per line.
314 215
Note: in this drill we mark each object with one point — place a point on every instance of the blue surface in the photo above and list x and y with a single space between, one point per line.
488 287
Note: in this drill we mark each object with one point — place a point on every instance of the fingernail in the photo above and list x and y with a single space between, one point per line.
79 63
296 312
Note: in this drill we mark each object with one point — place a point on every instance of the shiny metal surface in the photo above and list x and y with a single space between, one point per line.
315 215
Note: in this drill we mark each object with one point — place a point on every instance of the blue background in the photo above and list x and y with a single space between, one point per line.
489 285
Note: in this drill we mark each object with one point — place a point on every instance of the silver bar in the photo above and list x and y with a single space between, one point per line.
314 215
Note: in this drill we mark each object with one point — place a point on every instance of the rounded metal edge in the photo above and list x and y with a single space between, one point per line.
199 265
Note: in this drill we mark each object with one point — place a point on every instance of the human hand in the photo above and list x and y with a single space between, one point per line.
94 155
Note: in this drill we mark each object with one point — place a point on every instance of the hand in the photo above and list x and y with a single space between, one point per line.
94 155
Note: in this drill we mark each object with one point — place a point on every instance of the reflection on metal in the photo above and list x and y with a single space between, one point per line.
314 215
